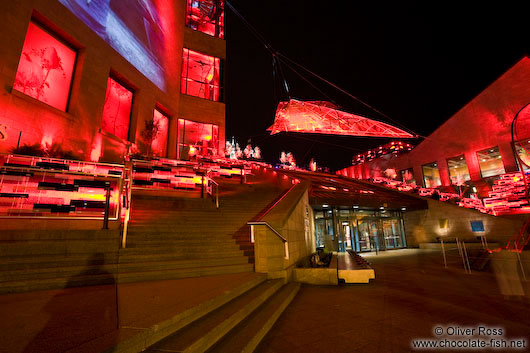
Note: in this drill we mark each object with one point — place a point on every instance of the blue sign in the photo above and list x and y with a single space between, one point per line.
477 226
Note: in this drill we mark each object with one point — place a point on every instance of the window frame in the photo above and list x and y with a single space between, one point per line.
480 162
184 89
423 174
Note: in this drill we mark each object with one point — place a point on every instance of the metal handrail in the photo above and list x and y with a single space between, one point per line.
262 223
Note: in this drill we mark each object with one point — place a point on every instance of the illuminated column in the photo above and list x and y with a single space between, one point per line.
473 165
444 173
508 159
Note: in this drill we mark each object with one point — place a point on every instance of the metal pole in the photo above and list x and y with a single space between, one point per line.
107 204
520 264
202 186
467 258
217 196
443 252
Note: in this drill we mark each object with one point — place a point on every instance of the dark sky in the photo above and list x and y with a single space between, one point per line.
418 63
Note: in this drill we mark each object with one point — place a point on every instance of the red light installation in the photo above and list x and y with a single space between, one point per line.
159 145
206 16
325 118
45 68
117 109
200 75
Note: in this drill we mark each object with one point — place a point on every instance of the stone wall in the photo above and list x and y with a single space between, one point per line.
293 219
423 226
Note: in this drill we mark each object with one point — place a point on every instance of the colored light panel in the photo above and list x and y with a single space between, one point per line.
45 68
325 118
206 16
159 145
117 109
200 75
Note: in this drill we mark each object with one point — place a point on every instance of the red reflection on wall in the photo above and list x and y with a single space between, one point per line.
45 68
197 139
159 145
117 109
200 75
206 16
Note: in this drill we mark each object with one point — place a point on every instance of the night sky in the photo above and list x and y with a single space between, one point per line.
418 63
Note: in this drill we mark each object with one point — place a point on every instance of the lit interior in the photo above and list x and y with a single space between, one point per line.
197 139
206 16
200 75
490 162
431 175
458 171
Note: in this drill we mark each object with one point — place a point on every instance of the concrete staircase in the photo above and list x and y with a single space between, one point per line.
237 326
170 237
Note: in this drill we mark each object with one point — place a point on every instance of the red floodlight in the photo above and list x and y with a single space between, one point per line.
322 117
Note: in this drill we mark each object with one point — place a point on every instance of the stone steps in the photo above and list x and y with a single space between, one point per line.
247 335
99 276
202 334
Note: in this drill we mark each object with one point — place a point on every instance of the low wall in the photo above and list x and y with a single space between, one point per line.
292 217
425 226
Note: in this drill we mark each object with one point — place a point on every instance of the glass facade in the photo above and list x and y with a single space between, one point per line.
431 175
201 75
458 171
206 16
45 68
197 139
490 162
359 230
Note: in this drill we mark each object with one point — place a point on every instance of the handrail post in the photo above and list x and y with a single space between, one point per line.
107 206
217 196
202 186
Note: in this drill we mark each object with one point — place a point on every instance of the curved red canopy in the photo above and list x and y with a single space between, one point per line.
322 117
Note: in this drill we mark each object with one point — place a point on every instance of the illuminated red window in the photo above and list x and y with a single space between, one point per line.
197 139
407 176
200 75
45 68
206 16
117 109
159 145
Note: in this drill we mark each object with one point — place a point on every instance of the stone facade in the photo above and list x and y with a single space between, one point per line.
78 129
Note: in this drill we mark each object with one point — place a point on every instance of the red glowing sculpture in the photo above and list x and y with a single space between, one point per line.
325 118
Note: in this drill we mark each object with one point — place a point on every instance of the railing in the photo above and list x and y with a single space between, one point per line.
39 187
262 223
126 202
212 189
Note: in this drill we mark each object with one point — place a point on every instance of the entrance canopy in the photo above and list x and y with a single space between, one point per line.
322 117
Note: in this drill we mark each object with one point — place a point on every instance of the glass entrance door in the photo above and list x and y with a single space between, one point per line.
392 234
347 235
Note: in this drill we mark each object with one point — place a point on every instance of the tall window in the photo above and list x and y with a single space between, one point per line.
159 144
197 139
431 175
206 16
200 75
490 162
458 171
523 151
45 68
407 176
117 109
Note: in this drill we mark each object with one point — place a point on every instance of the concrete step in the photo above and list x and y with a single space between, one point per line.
246 336
64 247
203 333
102 277
43 272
